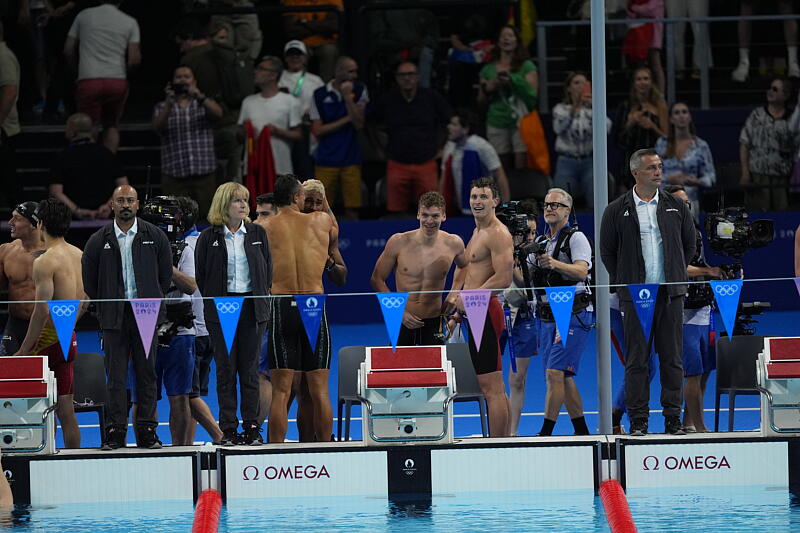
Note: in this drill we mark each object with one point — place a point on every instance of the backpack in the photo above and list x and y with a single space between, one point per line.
235 70
563 245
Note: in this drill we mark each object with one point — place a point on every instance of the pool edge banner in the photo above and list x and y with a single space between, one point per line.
643 296
561 300
64 314
393 305
145 311
476 304
726 293
228 310
311 308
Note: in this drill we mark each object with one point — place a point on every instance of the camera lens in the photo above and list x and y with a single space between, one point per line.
408 428
8 438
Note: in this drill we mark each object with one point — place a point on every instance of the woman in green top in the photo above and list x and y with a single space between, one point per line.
510 83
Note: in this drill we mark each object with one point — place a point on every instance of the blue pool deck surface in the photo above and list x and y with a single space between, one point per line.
731 509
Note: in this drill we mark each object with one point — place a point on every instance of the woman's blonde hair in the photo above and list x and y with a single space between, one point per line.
218 212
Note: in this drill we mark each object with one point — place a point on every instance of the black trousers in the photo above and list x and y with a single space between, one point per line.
242 362
120 345
667 334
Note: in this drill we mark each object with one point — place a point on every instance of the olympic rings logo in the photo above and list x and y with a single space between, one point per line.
560 297
227 308
63 310
392 302
726 289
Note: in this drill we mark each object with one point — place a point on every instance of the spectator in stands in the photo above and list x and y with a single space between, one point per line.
9 120
301 84
701 44
640 121
319 30
244 34
785 7
467 157
337 113
398 35
572 124
85 171
471 47
183 120
204 57
510 83
32 20
107 42
686 157
274 111
766 147
652 9
414 116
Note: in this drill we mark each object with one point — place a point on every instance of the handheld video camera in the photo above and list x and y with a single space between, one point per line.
511 214
165 212
730 233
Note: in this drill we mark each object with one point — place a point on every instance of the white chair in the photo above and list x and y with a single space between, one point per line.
27 401
778 380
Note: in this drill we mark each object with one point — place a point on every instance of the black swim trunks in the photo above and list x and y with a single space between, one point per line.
288 343
13 335
488 358
428 335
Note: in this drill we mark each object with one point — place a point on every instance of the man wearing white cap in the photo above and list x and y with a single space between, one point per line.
301 84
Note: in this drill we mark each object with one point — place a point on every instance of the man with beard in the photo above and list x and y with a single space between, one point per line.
16 267
421 259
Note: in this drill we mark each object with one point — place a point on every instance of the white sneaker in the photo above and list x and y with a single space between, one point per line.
741 72
794 70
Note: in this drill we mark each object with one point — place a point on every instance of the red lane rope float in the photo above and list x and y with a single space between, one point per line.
206 515
615 504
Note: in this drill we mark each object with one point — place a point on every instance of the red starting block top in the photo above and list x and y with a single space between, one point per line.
23 377
406 378
784 348
783 370
421 357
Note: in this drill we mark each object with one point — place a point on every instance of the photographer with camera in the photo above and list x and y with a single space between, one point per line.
184 121
521 304
566 259
175 356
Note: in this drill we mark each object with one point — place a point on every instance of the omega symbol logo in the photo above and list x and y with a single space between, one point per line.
560 297
392 302
726 289
312 303
227 307
644 294
63 310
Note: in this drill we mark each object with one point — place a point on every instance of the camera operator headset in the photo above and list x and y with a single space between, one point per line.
564 258
176 337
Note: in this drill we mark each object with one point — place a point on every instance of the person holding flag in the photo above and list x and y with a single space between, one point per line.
57 276
421 260
647 237
566 261
299 337
490 262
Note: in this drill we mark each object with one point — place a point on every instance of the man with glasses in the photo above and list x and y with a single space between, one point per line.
125 259
415 117
566 261
274 112
648 236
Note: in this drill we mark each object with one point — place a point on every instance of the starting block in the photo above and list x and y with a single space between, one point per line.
407 394
27 404
778 380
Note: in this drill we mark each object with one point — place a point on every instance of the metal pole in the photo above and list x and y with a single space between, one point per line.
670 48
600 169
541 54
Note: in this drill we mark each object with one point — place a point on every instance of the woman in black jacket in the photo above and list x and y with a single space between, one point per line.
232 258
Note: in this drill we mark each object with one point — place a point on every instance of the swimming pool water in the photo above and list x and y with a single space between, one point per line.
732 509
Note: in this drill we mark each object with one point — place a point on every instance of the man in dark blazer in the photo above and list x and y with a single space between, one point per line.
125 259
648 236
